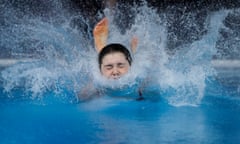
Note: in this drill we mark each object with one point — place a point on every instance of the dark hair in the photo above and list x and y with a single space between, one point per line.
114 47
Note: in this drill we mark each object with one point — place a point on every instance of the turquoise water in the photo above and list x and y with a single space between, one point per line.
114 120
188 99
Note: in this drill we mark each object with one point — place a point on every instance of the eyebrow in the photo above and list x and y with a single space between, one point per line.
108 65
121 63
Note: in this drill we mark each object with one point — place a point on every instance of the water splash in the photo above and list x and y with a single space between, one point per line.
64 56
58 50
188 69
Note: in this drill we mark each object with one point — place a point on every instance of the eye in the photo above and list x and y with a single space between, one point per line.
108 67
121 65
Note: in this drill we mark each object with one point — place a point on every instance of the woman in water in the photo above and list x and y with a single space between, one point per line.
114 59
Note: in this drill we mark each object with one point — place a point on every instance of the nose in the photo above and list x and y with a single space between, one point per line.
115 72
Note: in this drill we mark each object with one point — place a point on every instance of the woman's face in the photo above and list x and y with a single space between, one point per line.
114 65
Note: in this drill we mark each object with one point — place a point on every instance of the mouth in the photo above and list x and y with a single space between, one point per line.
115 77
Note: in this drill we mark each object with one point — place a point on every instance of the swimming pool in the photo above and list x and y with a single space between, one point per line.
113 120
47 56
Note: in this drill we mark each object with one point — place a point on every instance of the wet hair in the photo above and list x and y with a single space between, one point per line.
112 48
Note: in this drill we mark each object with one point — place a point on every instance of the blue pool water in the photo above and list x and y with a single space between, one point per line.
188 60
111 120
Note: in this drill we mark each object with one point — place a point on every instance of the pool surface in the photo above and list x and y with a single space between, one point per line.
114 120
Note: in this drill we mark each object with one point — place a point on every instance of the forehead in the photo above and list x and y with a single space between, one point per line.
114 57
